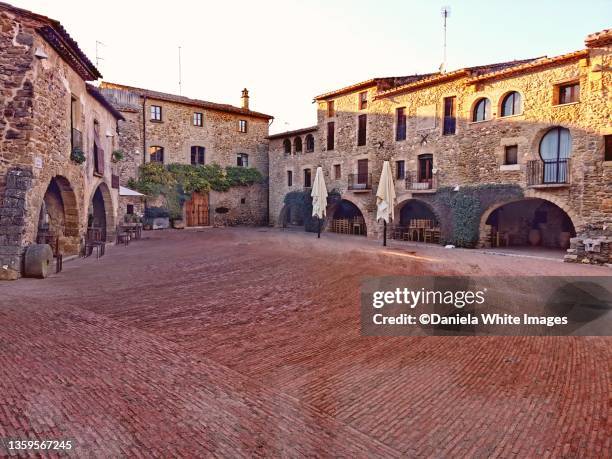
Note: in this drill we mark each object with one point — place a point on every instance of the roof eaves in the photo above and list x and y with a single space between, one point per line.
543 62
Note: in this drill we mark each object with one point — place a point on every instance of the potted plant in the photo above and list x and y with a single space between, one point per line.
77 156
117 156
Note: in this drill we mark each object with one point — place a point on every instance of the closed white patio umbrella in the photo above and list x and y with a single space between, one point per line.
385 198
319 197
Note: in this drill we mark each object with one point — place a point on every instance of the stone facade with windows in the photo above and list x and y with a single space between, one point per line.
538 125
50 115
173 129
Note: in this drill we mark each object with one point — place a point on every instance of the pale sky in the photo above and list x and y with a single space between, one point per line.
287 51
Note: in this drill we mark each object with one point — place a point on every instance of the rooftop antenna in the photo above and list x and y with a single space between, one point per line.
180 79
98 58
445 11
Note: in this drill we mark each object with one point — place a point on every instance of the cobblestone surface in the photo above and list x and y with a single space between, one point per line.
241 342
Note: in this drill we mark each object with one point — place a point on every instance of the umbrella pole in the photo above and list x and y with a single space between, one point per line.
319 232
385 233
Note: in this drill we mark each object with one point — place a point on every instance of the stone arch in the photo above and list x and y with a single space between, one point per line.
59 214
502 99
533 197
101 211
290 215
417 202
537 139
347 210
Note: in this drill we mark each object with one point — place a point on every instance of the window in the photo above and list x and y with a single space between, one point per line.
331 111
287 146
309 143
289 178
337 171
361 129
482 110
297 143
242 160
607 147
156 113
362 171
330 135
400 129
156 154
450 119
511 154
568 93
242 126
130 209
363 100
555 150
198 155
425 168
511 105
98 152
197 119
307 178
400 168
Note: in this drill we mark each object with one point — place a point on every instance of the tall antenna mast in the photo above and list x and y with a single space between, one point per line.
180 76
98 58
445 14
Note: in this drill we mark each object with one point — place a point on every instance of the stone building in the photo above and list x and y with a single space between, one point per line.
51 120
528 143
168 128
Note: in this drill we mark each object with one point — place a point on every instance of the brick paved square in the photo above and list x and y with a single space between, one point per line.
245 342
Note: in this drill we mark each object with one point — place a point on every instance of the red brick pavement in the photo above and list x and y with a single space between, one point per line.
246 343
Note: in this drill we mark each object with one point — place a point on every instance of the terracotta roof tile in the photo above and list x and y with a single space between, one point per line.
601 38
305 130
185 100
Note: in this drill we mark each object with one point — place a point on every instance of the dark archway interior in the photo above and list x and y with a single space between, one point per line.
347 219
97 213
531 222
416 210
51 219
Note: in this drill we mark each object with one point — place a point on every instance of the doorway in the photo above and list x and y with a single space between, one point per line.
196 210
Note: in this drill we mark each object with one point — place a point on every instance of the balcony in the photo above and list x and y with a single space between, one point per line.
420 186
548 174
77 139
360 182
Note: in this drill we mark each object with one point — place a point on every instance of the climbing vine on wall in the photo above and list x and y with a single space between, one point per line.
466 206
301 202
176 182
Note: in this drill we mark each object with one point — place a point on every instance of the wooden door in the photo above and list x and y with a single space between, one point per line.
362 171
196 210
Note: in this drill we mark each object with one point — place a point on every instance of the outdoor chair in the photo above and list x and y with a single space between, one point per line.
123 237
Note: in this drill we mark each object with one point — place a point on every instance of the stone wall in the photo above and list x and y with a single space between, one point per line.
219 135
247 205
35 136
474 155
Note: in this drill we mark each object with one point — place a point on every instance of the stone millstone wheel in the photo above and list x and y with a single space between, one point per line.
38 257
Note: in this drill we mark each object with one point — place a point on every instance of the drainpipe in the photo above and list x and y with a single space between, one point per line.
144 130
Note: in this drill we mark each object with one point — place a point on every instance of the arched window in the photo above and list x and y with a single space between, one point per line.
287 146
198 155
309 143
482 110
297 143
156 154
511 105
555 150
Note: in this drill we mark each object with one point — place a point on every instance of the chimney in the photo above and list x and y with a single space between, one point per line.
245 98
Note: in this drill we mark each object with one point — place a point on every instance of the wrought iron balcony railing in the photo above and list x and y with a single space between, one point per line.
413 183
548 172
357 182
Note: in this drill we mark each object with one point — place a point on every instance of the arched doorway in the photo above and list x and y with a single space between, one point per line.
530 222
100 218
416 222
58 218
346 218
